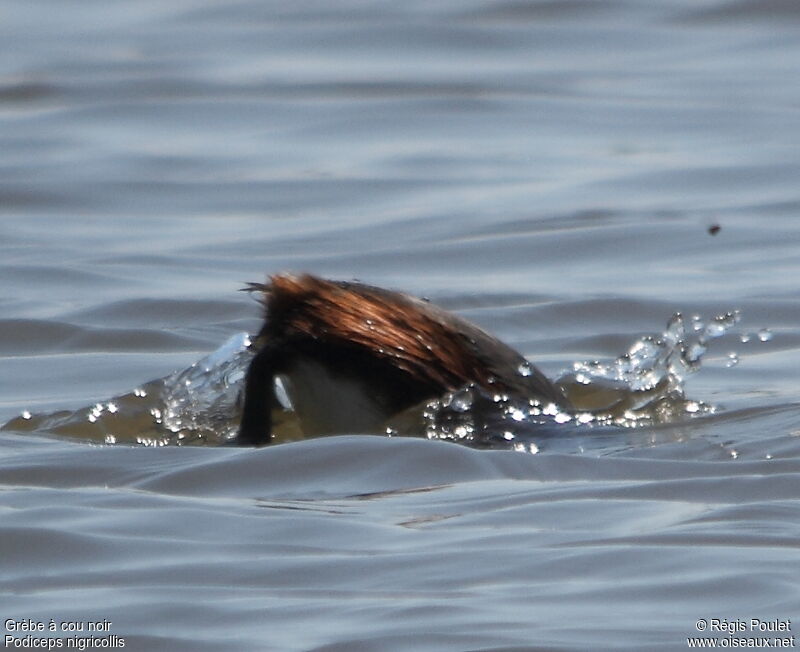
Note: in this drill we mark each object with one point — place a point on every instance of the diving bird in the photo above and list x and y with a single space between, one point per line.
351 356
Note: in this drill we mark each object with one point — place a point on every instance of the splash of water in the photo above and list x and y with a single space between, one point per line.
644 386
200 404
194 405
647 384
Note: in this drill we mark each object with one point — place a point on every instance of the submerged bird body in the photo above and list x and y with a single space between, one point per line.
352 356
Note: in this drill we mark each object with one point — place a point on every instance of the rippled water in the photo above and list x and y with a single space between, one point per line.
568 175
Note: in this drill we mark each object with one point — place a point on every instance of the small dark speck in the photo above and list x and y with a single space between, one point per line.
714 229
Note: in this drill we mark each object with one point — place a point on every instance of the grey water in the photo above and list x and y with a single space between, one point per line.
568 175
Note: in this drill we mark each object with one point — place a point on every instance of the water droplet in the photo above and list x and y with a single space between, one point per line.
675 331
508 436
765 335
531 448
26 415
734 453
111 439
524 369
462 400
643 349
715 329
694 353
745 337
733 359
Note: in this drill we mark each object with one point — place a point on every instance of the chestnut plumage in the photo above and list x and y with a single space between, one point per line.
354 355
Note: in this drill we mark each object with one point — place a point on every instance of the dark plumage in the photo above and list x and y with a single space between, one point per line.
355 355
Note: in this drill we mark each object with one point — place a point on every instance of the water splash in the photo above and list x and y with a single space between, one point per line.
200 404
194 405
492 420
646 385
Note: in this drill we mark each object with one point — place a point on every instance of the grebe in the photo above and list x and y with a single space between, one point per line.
352 356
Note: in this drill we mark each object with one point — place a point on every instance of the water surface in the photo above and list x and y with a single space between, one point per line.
549 170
